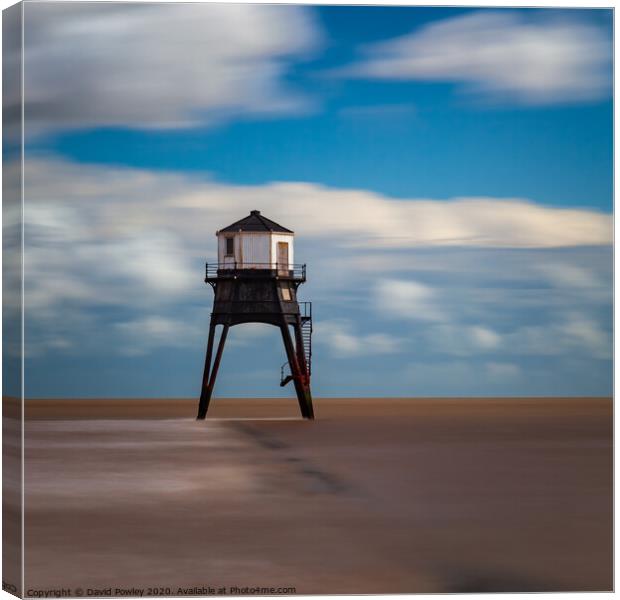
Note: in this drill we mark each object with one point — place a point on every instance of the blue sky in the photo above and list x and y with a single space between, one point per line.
448 173
396 137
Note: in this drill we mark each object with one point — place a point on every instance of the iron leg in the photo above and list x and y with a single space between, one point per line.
302 387
208 381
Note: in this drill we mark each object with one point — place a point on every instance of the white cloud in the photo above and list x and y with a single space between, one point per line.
484 338
462 340
160 65
122 201
136 241
529 58
148 231
574 333
579 279
407 300
362 219
250 333
583 334
143 334
339 337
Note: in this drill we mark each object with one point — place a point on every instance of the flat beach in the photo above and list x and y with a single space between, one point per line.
378 495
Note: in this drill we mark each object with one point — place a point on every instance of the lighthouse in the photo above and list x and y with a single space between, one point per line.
255 280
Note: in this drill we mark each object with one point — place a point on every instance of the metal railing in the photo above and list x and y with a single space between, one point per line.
226 269
305 310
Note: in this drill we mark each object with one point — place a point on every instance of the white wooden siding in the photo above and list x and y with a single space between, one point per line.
221 250
278 237
252 250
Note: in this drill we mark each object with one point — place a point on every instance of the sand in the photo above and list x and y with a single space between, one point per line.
374 496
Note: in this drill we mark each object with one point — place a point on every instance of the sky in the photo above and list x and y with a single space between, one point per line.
447 172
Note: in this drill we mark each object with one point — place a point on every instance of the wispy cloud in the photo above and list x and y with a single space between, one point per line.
249 334
95 203
462 339
562 334
561 275
120 254
160 65
363 219
143 334
570 333
140 234
340 338
513 57
407 299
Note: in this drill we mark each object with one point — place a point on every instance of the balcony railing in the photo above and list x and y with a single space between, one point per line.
275 269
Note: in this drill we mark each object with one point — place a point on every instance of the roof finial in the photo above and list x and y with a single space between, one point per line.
255 212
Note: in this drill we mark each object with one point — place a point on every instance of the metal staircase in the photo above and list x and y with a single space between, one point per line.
306 336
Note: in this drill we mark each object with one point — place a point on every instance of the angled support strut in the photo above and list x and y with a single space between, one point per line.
209 375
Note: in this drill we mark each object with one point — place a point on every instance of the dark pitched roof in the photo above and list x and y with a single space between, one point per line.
256 222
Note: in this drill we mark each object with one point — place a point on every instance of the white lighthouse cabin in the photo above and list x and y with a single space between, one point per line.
256 281
255 242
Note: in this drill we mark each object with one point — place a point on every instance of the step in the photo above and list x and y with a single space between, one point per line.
286 380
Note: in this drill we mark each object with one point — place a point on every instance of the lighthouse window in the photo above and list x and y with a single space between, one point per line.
230 246
286 294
